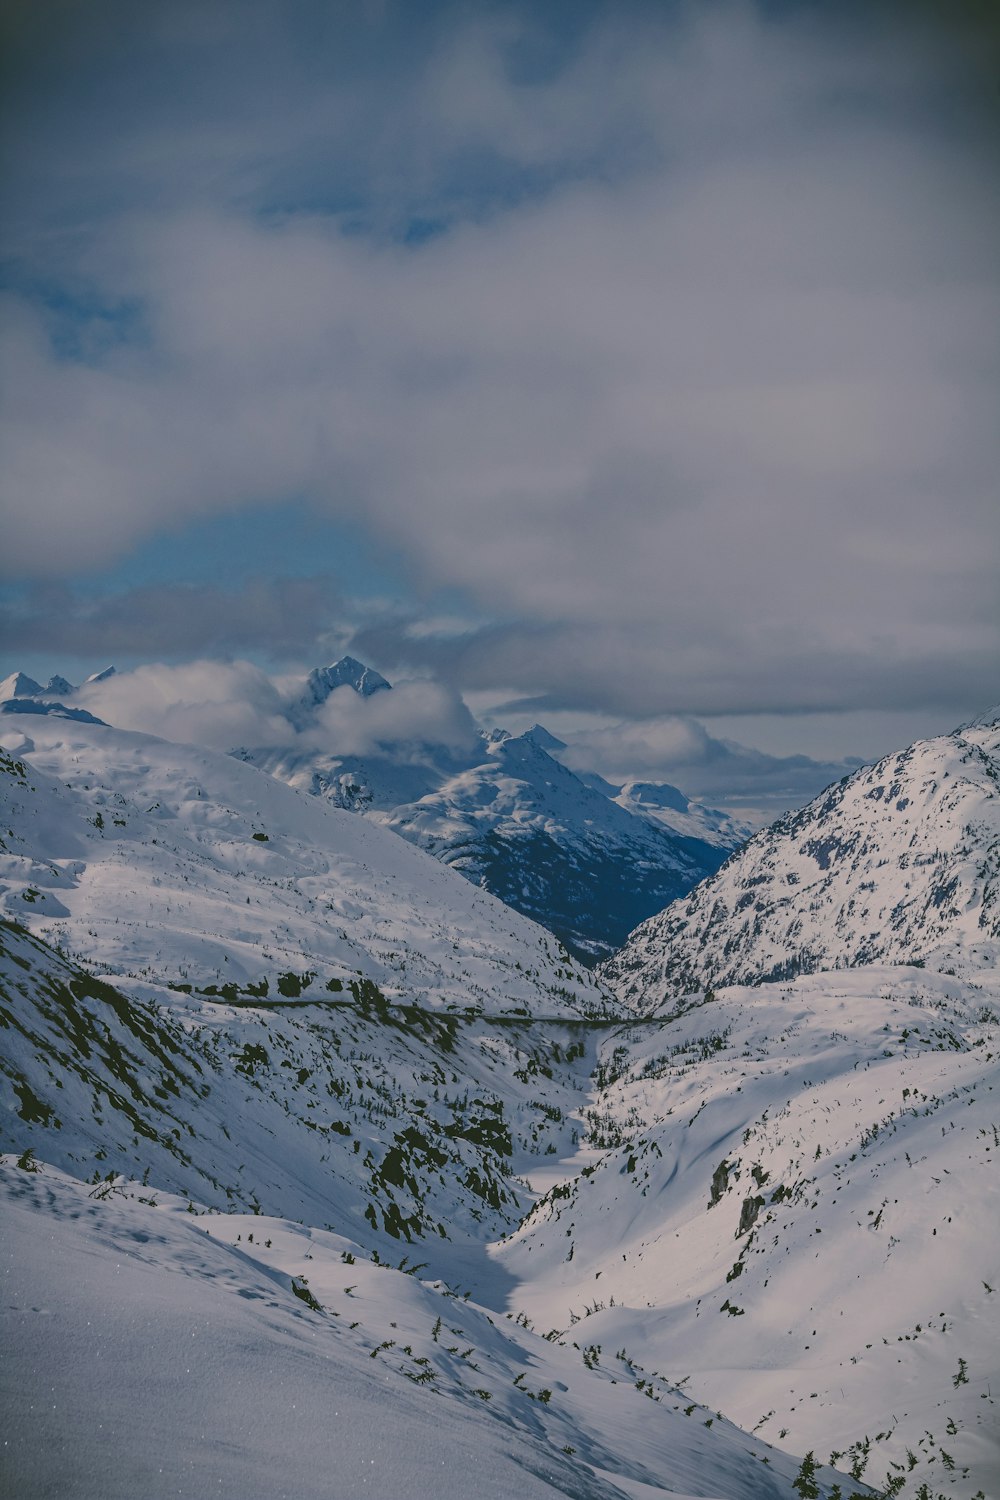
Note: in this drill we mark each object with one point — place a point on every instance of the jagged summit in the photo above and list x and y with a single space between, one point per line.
19 685
59 685
99 676
322 681
349 672
540 736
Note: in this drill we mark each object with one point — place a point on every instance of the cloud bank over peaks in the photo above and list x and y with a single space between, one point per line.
421 721
411 719
219 704
228 704
720 772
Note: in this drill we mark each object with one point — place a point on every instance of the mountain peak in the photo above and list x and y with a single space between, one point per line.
19 685
349 672
99 676
322 681
538 735
60 685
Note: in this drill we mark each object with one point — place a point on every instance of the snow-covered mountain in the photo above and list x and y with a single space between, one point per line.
148 857
299 1087
322 681
20 694
48 707
19 685
524 827
898 863
797 1149
669 806
276 1052
587 860
786 1203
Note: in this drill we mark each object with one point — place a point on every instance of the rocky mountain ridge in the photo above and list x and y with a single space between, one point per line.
897 863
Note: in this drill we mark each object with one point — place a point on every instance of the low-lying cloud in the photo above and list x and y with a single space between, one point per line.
219 704
230 705
719 772
407 722
227 705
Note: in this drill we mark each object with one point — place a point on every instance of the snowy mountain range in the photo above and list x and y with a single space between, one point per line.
303 1122
274 1050
20 685
587 859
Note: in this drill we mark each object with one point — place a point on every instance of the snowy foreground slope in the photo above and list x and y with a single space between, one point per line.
165 861
151 1350
898 863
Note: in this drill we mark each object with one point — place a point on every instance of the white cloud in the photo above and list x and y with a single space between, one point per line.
229 704
641 748
220 704
682 752
409 720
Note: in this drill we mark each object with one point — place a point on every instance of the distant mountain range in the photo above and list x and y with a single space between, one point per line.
586 859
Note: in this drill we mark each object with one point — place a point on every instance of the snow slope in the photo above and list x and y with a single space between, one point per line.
669 806
788 1201
395 1124
159 860
315 1132
898 863
155 1351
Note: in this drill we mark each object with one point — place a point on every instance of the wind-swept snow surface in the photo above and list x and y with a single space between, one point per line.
161 1351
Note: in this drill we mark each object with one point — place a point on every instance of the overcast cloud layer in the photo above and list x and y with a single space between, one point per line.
664 336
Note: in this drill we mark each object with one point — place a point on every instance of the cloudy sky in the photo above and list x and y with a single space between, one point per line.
629 366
